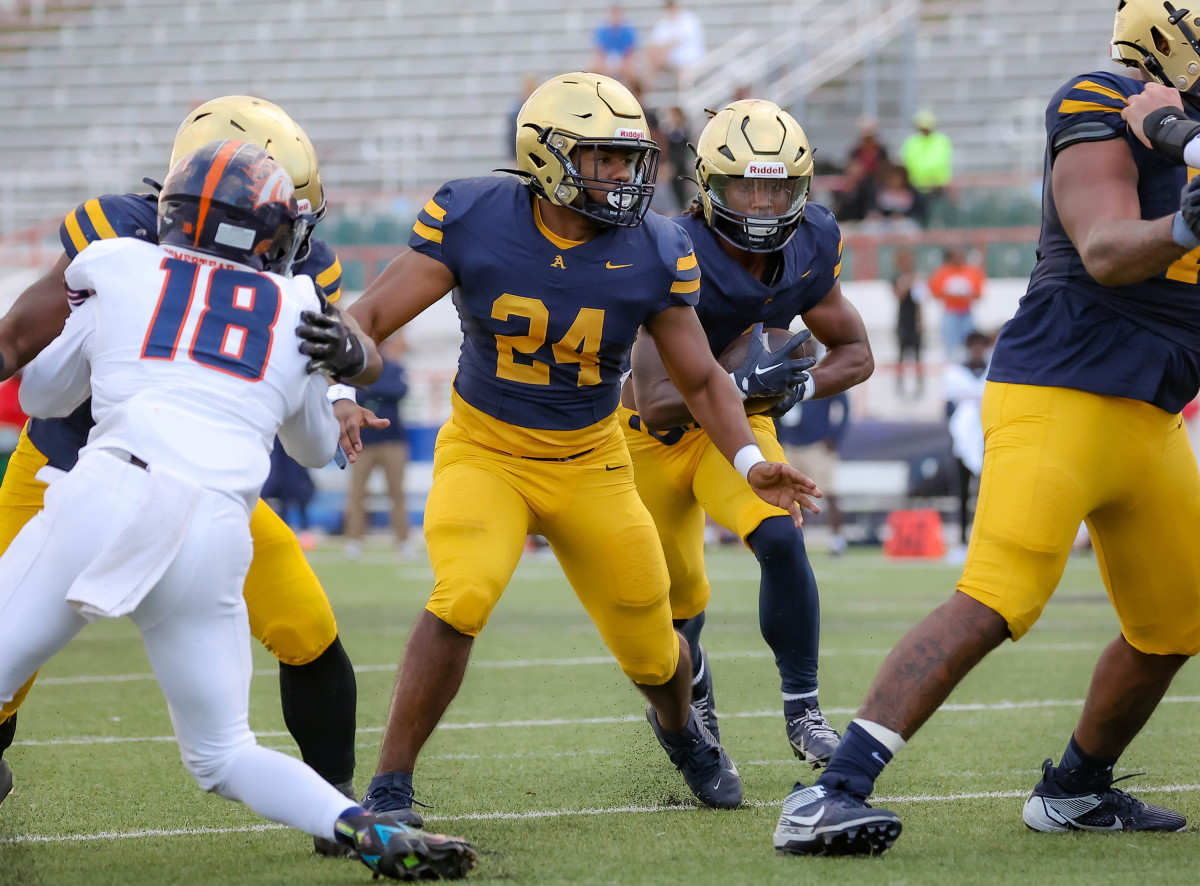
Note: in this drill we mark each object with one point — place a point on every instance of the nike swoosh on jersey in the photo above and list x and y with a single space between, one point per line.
613 267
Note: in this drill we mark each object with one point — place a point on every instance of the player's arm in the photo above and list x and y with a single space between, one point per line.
714 400
659 402
836 323
408 285
310 434
59 379
1095 187
34 320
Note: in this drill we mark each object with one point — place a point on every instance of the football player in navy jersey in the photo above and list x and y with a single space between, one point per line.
766 257
289 612
1081 422
554 273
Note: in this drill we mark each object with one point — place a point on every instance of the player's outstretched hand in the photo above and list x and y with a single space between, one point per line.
766 373
780 484
335 350
1140 106
352 418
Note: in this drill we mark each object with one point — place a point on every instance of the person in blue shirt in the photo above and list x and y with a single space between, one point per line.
615 42
811 434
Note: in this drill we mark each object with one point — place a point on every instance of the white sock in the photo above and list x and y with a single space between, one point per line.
886 737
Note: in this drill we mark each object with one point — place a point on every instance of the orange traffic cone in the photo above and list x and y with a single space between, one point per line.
914 534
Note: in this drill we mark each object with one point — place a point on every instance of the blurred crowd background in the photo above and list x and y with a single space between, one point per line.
926 117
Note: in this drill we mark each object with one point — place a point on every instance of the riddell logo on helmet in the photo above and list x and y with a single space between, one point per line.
766 170
629 133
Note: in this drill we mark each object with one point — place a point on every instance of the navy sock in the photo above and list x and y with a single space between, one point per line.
856 764
8 731
789 611
1079 773
690 628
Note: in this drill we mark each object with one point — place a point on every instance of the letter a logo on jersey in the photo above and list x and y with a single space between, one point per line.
558 263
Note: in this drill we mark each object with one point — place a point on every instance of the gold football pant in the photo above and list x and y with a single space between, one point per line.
482 505
1057 456
682 476
289 612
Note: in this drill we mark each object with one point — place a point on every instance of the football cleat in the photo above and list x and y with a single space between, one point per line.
404 853
699 757
6 779
812 738
393 802
820 821
703 699
336 848
1052 810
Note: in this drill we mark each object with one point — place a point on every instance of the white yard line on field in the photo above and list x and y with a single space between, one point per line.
582 661
549 813
967 707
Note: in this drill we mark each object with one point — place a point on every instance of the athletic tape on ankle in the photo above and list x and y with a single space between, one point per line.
886 737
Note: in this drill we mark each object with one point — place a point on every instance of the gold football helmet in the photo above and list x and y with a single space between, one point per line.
258 122
562 130
1158 38
754 167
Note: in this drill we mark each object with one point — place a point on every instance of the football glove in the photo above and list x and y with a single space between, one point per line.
1189 207
802 390
334 349
765 373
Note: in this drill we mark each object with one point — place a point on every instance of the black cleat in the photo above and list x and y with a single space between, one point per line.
819 821
1052 810
705 766
813 740
6 779
404 853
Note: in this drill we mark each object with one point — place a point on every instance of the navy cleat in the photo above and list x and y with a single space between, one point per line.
705 766
703 699
6 779
390 796
1053 810
404 853
336 848
813 740
820 821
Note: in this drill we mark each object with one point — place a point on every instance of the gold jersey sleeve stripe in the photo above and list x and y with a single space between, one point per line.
330 274
686 263
431 234
96 215
1089 86
1070 106
76 233
435 211
685 285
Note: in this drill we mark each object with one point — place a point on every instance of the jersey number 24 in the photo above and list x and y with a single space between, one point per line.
234 331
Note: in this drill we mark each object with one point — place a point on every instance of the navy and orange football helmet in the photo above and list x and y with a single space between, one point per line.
231 199
563 128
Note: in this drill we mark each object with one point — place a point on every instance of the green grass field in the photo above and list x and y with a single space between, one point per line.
546 764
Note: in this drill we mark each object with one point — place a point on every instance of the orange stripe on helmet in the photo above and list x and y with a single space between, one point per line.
219 163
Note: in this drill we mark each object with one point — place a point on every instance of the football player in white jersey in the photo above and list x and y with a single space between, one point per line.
188 350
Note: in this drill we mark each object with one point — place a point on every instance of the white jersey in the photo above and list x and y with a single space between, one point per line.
192 363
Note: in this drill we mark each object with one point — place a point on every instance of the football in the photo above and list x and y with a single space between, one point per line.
773 339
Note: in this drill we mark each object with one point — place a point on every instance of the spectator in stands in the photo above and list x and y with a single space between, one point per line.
680 159
910 290
928 156
811 434
615 43
676 43
867 151
957 285
386 449
895 203
962 385
855 198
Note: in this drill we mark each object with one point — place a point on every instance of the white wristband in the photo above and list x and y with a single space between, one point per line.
1191 152
341 392
810 387
747 457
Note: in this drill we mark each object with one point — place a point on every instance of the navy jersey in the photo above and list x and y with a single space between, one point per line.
136 215
732 299
1140 340
547 323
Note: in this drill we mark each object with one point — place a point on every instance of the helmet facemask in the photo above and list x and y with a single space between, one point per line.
625 203
757 214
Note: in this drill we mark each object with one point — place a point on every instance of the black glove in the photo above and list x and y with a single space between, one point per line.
334 349
1189 205
797 392
766 373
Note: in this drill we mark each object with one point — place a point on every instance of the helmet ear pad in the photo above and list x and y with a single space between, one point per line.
230 199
